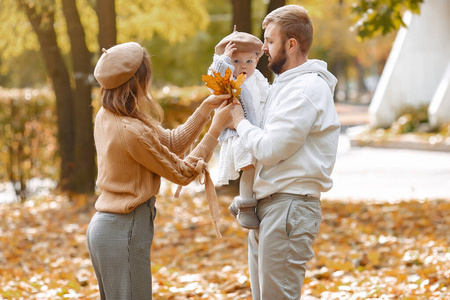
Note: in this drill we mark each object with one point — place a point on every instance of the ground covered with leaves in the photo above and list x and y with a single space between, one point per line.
364 251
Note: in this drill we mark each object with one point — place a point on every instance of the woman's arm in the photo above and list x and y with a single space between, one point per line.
178 140
143 145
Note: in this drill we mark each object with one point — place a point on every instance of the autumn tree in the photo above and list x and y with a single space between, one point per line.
41 16
107 31
375 17
64 32
242 15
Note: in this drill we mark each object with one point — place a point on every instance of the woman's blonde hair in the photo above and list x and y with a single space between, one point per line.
133 98
293 22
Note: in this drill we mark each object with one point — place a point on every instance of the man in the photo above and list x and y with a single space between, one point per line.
295 150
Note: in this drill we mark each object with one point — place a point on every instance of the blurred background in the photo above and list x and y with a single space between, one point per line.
48 50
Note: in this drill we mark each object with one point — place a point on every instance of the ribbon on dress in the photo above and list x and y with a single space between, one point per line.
210 191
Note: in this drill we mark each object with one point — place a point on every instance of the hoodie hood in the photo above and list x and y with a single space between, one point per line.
311 66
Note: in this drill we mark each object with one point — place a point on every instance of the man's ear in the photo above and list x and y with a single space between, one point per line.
292 45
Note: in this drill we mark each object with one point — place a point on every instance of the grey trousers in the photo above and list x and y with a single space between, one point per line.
119 246
282 245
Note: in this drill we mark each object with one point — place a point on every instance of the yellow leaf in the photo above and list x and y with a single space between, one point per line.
239 80
227 77
224 85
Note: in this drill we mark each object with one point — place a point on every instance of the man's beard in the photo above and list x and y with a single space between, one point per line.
278 61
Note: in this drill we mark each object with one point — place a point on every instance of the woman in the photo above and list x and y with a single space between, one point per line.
133 153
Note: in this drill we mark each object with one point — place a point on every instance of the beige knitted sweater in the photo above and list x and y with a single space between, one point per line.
132 158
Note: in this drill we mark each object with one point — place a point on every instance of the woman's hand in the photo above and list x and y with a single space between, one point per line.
222 119
213 102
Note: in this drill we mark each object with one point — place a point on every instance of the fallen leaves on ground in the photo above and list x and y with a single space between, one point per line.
364 251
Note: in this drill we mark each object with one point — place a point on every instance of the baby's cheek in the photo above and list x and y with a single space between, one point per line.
250 71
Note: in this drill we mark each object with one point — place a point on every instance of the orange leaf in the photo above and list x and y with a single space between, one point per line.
224 85
239 80
227 77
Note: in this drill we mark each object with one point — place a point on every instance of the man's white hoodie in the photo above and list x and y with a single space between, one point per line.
297 143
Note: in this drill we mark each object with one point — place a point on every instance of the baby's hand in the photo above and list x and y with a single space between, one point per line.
229 49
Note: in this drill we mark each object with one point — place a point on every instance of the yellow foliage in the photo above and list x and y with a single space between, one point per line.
173 20
16 33
138 20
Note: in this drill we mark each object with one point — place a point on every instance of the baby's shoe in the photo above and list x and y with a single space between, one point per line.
246 215
233 207
248 218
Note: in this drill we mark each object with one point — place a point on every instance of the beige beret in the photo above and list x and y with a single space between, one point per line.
118 64
243 42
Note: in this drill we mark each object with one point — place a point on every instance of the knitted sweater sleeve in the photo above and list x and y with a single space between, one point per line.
179 140
144 146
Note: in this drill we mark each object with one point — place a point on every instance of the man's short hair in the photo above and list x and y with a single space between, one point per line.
294 22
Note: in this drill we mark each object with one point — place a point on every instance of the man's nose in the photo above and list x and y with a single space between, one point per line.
264 47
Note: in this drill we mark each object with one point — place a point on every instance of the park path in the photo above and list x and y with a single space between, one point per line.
383 174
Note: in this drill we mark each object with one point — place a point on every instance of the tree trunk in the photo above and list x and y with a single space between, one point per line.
362 88
43 27
339 69
107 32
263 61
242 16
82 180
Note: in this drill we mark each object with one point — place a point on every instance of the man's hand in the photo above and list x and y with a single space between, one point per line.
238 116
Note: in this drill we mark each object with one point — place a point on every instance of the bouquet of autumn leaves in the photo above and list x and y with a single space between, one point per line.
220 85
225 85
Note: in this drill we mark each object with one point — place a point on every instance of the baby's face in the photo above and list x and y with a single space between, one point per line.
244 62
